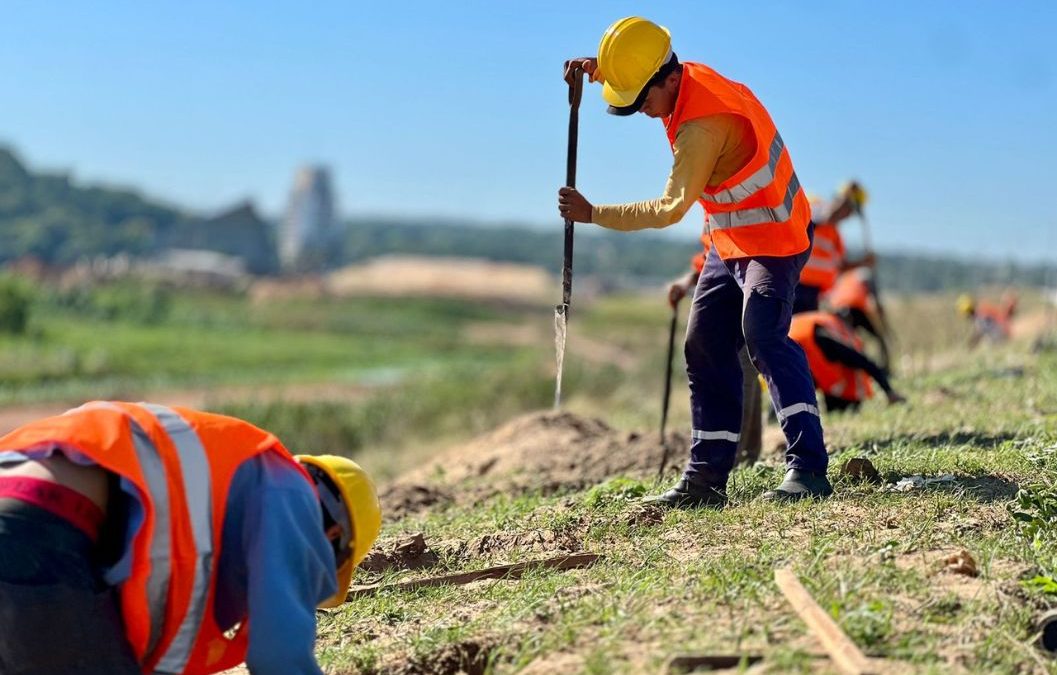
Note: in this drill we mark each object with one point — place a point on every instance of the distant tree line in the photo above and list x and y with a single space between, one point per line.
50 218
46 216
622 259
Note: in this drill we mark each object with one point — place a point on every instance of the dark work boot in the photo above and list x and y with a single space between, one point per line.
692 494
799 485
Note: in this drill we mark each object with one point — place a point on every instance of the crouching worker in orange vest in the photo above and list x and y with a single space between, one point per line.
729 156
141 538
993 323
838 366
828 255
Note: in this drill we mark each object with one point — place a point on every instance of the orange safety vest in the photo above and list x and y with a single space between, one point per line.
850 292
1000 316
827 256
181 463
834 379
761 210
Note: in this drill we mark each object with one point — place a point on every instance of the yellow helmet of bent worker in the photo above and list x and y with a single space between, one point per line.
349 500
856 192
966 305
631 52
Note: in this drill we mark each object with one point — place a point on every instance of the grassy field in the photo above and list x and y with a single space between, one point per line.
425 375
701 582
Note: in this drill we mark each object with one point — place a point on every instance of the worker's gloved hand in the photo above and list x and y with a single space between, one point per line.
573 206
587 64
680 288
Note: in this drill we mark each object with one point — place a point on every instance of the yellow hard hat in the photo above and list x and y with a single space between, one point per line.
966 305
856 192
631 52
349 500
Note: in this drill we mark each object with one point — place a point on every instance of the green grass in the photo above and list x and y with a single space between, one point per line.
78 349
702 582
669 583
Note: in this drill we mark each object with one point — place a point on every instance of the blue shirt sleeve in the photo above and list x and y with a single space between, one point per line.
289 567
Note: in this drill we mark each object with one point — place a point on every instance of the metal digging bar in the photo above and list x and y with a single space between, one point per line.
667 388
561 312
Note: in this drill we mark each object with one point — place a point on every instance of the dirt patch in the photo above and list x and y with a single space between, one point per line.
468 657
540 452
567 541
407 553
936 566
401 499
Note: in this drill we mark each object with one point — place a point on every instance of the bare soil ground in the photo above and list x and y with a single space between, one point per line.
541 452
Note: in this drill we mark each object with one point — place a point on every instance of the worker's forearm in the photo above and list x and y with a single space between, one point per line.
653 213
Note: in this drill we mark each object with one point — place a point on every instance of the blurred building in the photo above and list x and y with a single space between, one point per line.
309 233
238 231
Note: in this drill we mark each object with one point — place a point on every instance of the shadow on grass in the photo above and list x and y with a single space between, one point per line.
984 488
980 439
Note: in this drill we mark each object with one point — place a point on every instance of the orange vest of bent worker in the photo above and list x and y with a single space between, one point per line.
850 292
834 379
761 210
827 256
1000 316
181 462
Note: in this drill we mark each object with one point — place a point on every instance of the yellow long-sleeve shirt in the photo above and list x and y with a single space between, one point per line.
707 151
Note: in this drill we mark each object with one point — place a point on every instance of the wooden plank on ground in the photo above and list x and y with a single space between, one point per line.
844 653
513 571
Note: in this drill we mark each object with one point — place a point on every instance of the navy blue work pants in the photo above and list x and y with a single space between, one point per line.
748 301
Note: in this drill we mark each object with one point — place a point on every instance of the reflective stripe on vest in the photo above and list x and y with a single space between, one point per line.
196 479
747 217
757 181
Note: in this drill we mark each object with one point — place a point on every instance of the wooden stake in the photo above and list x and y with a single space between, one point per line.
844 653
514 571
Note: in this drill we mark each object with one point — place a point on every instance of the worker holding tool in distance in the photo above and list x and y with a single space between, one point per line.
729 156
828 255
141 538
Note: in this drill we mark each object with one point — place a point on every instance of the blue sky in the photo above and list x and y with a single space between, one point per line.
945 110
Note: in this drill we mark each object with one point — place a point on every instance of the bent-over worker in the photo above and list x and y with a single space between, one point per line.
840 369
144 538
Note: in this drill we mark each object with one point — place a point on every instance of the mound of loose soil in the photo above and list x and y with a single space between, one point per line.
540 452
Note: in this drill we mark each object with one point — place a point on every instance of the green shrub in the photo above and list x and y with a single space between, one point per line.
15 300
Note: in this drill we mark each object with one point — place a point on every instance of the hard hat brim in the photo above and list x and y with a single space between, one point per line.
619 99
344 583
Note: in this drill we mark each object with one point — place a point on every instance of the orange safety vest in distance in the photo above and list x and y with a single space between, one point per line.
761 210
850 292
827 256
181 463
834 379
999 316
